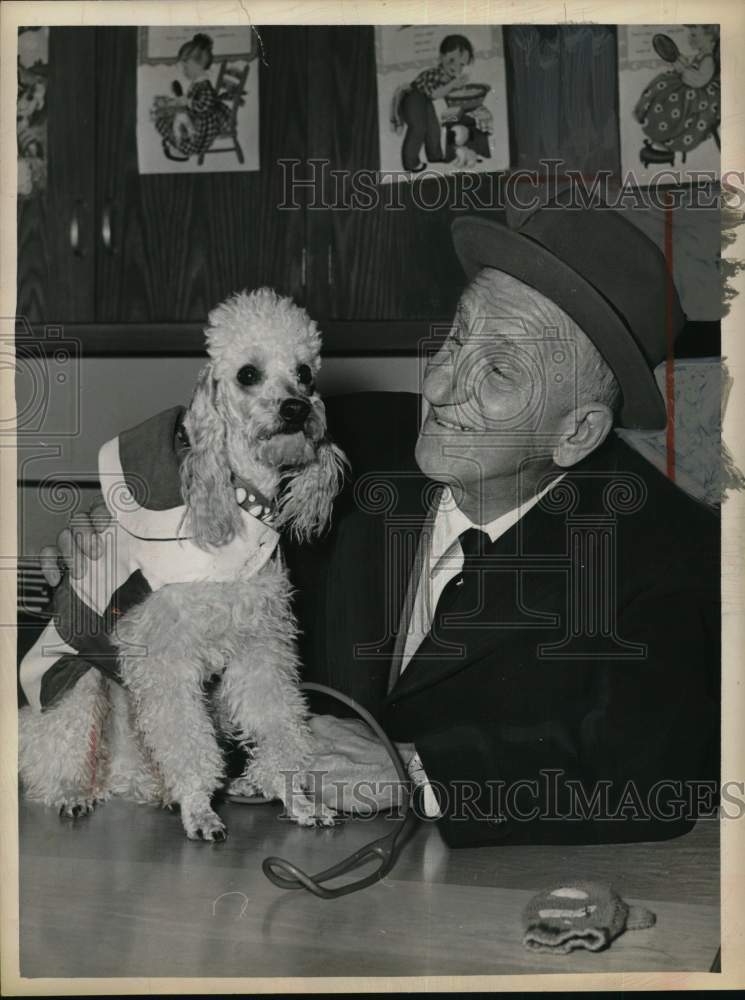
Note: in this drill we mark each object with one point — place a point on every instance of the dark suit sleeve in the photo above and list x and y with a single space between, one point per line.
634 761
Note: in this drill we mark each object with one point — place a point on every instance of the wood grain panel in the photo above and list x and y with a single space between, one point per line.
54 284
393 260
124 893
345 338
588 129
181 243
534 89
562 94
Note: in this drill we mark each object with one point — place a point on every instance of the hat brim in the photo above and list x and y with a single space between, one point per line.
481 243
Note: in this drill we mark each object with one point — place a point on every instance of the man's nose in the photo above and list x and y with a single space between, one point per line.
294 411
440 385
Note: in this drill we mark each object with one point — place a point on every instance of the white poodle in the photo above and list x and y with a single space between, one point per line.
255 459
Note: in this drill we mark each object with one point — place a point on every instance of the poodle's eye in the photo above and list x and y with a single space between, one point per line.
304 375
248 375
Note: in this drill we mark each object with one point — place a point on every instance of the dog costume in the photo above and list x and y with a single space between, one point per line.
145 548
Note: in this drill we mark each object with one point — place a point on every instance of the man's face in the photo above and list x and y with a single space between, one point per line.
498 386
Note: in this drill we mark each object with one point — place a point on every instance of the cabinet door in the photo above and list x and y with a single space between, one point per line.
395 259
178 244
55 226
563 86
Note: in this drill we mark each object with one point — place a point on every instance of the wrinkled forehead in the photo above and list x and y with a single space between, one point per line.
498 304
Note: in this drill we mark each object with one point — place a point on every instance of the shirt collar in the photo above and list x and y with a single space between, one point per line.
450 521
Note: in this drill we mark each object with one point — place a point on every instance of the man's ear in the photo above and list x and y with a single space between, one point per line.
583 430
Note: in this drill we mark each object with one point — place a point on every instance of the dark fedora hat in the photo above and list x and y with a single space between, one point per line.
609 277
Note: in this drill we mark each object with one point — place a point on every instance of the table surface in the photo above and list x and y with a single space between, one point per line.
124 893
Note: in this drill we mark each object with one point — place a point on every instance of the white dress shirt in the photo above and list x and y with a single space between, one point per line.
442 563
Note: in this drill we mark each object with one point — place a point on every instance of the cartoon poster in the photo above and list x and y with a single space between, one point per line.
442 103
31 110
197 100
669 102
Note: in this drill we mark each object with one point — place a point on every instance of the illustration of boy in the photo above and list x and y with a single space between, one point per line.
417 110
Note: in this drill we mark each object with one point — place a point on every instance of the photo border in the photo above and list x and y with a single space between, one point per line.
731 16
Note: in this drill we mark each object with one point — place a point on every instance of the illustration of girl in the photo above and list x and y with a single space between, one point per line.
680 108
189 124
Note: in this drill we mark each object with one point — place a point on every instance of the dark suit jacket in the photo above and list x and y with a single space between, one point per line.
524 710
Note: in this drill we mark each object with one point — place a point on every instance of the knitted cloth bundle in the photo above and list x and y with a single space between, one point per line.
579 915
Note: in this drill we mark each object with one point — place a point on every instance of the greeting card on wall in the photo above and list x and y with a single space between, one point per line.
31 110
669 102
442 103
197 100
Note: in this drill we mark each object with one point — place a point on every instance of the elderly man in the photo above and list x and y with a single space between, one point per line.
555 653
550 607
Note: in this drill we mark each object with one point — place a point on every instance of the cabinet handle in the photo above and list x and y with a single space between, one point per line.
75 242
330 265
303 268
106 232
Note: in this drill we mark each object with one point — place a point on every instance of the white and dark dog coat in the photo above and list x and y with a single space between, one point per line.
146 547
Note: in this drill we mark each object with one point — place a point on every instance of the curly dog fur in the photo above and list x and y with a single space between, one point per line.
255 415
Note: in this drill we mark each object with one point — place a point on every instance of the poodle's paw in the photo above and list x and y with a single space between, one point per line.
75 807
201 822
245 788
306 812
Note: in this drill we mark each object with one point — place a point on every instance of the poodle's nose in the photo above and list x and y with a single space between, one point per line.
294 411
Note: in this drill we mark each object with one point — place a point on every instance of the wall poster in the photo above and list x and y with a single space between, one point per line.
442 103
669 101
31 110
197 100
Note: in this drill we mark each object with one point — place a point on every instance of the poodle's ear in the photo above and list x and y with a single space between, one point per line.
212 513
306 501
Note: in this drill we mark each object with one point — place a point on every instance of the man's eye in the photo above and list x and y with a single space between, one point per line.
304 375
249 375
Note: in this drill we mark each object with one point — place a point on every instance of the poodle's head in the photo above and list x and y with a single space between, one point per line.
256 414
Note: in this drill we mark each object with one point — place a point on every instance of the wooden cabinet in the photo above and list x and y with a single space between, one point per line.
111 247
179 244
394 259
56 251
154 248
562 83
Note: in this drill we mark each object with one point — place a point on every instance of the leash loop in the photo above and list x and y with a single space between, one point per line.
285 875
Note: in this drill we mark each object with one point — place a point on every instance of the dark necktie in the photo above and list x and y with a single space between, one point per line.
475 543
